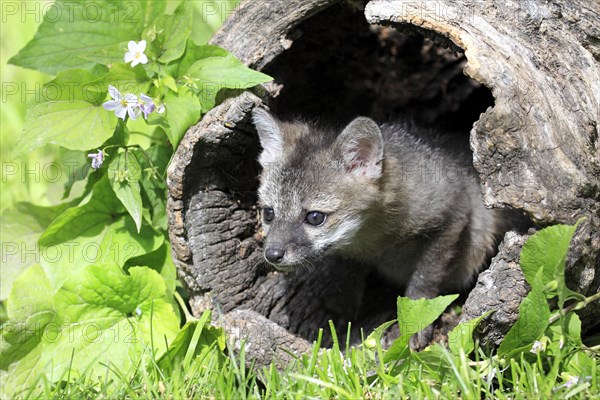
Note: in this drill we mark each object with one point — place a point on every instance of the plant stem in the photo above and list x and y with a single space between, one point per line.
575 306
188 316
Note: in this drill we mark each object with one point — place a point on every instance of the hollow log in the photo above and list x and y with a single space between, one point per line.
517 81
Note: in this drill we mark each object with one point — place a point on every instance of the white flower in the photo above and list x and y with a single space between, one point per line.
537 347
136 55
122 105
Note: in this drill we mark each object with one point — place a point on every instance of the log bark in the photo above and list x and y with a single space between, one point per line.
531 102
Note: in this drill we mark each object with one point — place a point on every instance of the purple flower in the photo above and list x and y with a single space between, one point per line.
146 104
97 159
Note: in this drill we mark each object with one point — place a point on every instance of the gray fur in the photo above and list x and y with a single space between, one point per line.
396 197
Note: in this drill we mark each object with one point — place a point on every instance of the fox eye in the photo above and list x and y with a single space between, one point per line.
268 214
315 218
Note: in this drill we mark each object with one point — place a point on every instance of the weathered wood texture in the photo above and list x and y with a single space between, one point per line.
537 149
535 145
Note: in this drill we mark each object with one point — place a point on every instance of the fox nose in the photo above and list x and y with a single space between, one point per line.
274 254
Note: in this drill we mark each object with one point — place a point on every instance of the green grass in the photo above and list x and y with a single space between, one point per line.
329 374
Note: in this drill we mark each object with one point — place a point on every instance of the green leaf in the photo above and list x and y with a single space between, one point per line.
154 187
566 332
193 53
169 82
103 207
582 364
73 84
461 337
414 316
97 231
375 337
107 55
546 251
125 79
20 229
434 362
73 29
109 322
196 339
76 125
226 72
120 137
124 173
79 166
177 29
159 260
29 312
214 73
534 313
183 111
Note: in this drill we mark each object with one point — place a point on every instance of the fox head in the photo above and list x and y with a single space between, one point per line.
317 187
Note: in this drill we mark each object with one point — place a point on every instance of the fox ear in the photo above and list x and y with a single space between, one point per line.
270 136
361 147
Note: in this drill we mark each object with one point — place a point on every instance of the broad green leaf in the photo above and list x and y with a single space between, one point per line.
226 72
159 260
100 209
109 54
414 316
29 313
531 324
461 337
125 79
183 111
546 251
72 84
193 53
72 29
109 321
20 229
124 174
76 125
176 31
97 231
214 73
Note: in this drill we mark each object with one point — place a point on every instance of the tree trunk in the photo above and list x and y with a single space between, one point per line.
531 104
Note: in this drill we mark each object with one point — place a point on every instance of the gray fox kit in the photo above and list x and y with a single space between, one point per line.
394 196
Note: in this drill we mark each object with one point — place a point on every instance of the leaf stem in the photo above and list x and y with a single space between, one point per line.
574 307
188 317
593 349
